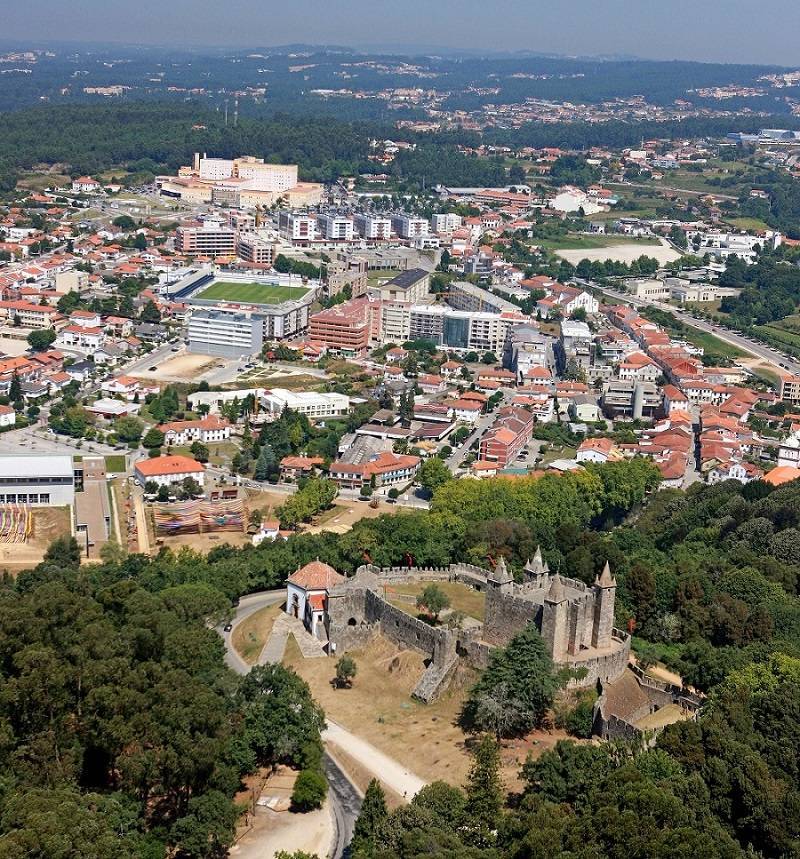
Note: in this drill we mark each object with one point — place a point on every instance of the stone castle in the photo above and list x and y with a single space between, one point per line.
576 621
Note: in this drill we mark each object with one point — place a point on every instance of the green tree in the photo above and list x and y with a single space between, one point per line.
516 689
153 438
484 792
371 818
346 669
310 790
432 474
150 313
207 830
199 451
266 463
129 428
41 339
15 388
434 600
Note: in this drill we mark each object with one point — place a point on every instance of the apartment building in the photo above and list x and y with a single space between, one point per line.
409 226
256 251
296 227
790 389
335 228
461 330
466 296
210 239
505 439
345 329
374 227
411 285
574 344
445 223
29 315
386 469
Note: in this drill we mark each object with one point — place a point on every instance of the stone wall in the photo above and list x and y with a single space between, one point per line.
603 668
506 615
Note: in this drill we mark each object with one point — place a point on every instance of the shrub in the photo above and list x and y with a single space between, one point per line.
309 791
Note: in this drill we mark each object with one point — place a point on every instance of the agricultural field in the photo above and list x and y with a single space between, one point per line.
251 293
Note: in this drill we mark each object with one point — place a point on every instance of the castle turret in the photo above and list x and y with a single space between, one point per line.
605 592
500 579
554 619
536 571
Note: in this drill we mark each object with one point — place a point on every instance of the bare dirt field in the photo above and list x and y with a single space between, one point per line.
266 830
423 737
13 347
626 253
48 524
181 368
203 542
344 514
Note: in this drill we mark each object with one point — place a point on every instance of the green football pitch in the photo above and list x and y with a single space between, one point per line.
251 293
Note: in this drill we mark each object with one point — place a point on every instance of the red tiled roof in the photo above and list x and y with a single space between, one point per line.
316 576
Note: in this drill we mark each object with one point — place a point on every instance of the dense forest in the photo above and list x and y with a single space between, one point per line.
121 726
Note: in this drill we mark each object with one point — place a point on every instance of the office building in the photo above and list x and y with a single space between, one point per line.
344 329
227 333
466 296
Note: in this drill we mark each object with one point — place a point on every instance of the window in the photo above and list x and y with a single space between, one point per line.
45 498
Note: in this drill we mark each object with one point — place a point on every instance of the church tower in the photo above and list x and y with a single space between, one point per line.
605 592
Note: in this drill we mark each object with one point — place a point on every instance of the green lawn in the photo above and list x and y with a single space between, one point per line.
252 293
115 463
712 344
580 242
753 224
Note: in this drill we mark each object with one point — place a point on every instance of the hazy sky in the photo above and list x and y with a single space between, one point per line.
711 30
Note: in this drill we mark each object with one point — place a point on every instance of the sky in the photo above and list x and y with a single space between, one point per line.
738 31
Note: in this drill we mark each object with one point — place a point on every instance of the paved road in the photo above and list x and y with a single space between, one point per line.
344 799
758 350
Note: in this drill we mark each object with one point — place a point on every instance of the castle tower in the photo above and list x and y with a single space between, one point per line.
554 619
500 579
605 592
536 571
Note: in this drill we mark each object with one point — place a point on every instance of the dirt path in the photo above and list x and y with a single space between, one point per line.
393 774
141 522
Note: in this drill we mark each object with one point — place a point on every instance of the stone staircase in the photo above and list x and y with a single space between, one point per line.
285 625
435 680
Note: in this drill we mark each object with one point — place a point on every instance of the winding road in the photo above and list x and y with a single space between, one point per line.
344 799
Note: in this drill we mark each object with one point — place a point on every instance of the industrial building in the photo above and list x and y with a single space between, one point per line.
40 480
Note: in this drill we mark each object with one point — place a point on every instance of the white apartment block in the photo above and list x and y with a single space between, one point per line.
410 227
335 228
445 223
395 321
374 227
297 228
